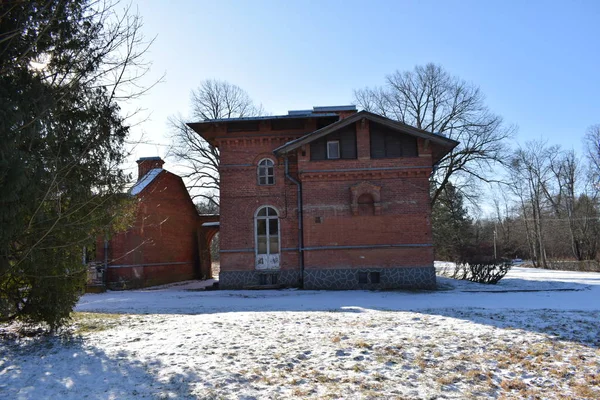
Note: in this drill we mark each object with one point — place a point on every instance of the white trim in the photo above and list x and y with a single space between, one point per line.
268 242
338 149
211 224
267 176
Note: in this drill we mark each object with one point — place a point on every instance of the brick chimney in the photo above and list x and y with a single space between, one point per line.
145 164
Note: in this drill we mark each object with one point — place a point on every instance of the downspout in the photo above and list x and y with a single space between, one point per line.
300 222
105 273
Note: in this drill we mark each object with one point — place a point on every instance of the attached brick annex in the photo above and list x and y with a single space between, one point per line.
328 198
161 247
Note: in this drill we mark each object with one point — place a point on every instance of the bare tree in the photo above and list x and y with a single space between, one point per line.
592 144
213 99
531 180
431 99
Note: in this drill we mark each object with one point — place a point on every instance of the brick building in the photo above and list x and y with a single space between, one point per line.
161 247
328 198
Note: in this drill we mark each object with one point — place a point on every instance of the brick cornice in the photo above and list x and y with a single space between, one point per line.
253 140
365 174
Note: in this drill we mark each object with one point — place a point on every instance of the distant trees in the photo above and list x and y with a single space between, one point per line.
64 65
549 210
431 99
552 206
592 144
213 99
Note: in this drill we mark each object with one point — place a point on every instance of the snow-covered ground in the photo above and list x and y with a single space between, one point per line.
536 333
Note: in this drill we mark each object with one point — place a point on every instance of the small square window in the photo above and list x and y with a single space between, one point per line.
363 277
318 220
375 277
333 149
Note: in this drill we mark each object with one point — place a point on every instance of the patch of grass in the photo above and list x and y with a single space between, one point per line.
358 368
84 322
592 379
513 384
448 379
379 377
584 391
363 345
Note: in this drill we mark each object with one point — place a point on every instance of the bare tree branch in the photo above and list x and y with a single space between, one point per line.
213 99
431 99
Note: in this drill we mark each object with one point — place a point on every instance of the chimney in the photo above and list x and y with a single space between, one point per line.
145 164
342 111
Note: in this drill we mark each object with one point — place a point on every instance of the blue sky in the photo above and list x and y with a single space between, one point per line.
537 62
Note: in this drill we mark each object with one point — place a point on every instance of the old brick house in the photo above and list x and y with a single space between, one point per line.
161 247
328 198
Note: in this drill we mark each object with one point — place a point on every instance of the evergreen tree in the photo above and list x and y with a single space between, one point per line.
62 67
451 225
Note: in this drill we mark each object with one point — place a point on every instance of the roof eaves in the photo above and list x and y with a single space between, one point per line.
292 116
294 144
291 145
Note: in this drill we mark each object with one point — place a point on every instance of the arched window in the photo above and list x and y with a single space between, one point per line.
267 238
266 172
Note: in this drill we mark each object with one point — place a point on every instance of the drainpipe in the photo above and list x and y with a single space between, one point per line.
105 272
300 222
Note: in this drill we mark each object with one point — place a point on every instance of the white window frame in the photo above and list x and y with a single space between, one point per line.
267 218
334 156
265 164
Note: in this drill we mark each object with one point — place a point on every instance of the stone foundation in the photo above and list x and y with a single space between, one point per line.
389 278
245 279
334 279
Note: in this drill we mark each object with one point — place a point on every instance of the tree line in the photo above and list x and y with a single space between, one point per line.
546 209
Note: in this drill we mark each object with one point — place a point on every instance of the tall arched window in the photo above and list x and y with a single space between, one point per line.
267 238
266 172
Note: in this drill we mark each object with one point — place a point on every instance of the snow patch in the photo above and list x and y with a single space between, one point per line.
145 181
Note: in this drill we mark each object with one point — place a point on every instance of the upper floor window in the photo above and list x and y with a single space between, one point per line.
333 149
340 144
266 172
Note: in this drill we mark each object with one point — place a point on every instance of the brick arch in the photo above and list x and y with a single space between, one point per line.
205 234
362 188
262 156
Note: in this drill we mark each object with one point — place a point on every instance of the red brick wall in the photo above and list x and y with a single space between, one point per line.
164 233
369 258
241 197
404 206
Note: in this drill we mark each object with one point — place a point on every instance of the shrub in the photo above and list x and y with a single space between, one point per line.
489 272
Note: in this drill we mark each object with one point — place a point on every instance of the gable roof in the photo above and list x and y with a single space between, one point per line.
445 143
145 181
